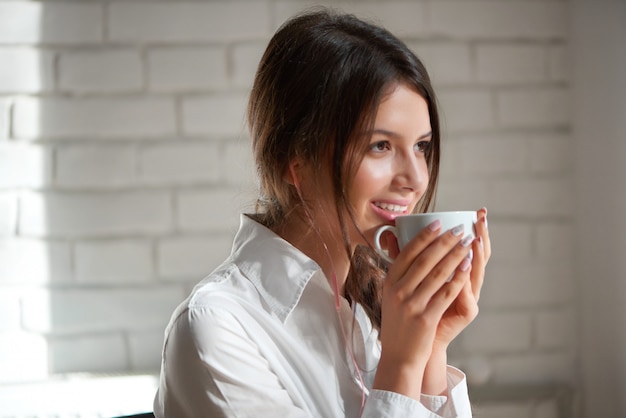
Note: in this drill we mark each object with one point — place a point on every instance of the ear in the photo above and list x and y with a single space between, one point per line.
291 173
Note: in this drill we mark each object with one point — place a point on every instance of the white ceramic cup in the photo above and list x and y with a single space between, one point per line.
408 226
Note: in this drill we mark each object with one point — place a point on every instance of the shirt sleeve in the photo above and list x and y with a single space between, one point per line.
211 369
387 404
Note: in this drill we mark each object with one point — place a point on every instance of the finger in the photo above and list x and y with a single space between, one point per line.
405 258
478 267
392 246
434 266
449 291
482 231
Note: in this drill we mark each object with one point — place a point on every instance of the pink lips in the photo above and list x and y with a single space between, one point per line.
388 215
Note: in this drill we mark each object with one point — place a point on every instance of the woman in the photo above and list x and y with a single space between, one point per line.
304 319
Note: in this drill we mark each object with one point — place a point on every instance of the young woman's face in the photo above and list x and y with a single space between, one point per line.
393 175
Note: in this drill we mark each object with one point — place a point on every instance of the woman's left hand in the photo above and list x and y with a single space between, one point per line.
465 307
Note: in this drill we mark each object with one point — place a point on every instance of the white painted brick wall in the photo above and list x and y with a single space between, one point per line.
28 262
25 70
187 22
8 213
95 214
95 166
22 165
179 163
91 310
93 117
5 105
125 161
216 115
499 20
100 71
446 62
187 69
499 332
114 261
90 353
511 63
466 110
51 22
184 258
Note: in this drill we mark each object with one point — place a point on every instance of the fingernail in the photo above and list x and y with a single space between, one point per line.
480 241
465 264
485 221
434 225
465 242
458 230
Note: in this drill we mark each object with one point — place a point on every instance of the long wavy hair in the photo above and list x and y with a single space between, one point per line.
316 93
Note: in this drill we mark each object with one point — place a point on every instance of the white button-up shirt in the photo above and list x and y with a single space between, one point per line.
260 337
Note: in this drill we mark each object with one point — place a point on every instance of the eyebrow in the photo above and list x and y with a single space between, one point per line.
395 135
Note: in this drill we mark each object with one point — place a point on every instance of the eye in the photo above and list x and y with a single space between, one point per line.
380 146
423 146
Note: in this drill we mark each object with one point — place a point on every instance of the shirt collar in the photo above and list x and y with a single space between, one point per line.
277 269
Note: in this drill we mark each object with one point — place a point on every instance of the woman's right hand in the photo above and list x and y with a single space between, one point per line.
416 293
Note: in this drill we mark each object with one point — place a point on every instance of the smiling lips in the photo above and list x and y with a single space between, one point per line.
389 211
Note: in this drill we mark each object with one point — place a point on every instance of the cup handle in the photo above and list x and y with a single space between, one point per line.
379 232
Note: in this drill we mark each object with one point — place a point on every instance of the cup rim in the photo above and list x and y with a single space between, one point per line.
443 212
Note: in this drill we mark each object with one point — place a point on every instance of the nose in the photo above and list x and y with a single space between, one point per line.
412 172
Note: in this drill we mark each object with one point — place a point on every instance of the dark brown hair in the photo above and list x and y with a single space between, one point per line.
316 92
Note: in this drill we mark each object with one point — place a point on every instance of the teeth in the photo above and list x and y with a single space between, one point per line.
391 208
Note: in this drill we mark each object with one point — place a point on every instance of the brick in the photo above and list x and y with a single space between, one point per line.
237 167
8 213
511 240
523 284
93 117
554 241
100 71
90 311
180 162
499 20
95 166
536 368
113 261
5 108
487 154
26 70
213 210
549 408
555 329
28 261
551 153
23 357
94 214
145 350
24 165
50 22
219 115
402 18
559 63
446 62
466 110
462 195
499 409
10 316
246 58
511 63
187 21
187 69
534 107
499 332
183 258
532 197
90 353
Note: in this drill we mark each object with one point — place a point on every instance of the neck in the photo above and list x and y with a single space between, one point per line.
331 258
